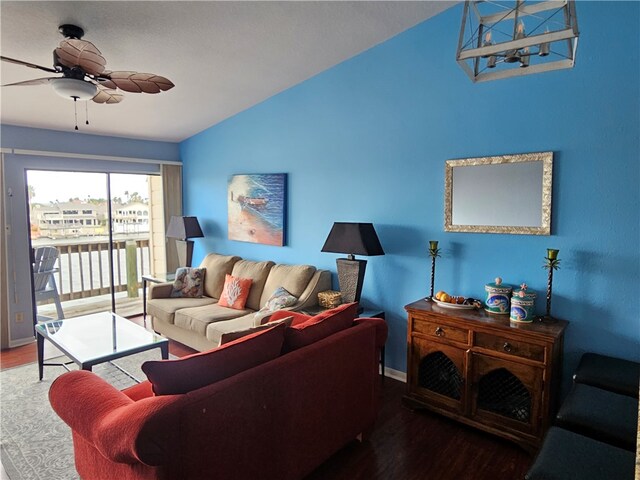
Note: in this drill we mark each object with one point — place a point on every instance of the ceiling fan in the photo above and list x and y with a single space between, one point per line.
84 76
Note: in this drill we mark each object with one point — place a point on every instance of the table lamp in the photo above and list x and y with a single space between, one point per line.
353 239
183 228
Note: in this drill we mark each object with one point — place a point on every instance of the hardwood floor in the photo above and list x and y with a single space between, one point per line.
419 445
405 444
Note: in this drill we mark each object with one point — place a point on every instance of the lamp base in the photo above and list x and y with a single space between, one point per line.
351 278
185 252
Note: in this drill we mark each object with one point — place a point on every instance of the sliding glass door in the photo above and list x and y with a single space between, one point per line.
130 226
90 239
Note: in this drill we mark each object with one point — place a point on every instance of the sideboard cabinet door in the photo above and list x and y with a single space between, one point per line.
437 373
505 394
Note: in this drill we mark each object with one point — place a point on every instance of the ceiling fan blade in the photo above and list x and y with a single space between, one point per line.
74 52
36 81
140 82
28 64
105 82
107 96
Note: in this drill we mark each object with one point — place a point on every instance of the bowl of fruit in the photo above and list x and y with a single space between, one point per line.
443 299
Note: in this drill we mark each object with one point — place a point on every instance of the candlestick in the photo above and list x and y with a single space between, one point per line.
544 47
524 58
551 263
434 252
487 42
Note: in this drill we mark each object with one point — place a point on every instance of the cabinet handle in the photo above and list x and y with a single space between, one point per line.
507 347
439 332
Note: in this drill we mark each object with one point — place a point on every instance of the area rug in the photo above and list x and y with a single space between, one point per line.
35 444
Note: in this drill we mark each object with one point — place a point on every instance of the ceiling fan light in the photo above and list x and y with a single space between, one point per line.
72 88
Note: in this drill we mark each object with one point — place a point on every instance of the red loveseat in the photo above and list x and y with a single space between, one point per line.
278 420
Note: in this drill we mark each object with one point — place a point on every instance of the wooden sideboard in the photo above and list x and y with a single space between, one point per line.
482 370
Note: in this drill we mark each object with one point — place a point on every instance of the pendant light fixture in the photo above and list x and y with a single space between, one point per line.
502 39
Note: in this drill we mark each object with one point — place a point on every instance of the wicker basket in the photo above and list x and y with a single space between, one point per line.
329 299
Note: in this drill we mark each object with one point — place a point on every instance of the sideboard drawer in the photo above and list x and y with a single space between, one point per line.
441 331
511 347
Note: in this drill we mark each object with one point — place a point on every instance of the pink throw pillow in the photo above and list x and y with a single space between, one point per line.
320 326
235 292
171 377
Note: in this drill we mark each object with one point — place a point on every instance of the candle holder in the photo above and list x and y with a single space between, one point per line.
434 252
551 263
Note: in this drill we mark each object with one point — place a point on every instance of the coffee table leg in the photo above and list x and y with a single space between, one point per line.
164 350
40 341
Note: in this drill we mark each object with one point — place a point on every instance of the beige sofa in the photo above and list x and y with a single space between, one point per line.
200 323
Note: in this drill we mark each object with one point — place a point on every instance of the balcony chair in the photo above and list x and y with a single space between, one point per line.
44 282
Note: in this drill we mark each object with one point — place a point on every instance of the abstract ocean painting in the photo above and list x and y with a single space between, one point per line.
257 208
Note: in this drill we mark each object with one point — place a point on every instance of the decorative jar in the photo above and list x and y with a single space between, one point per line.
522 306
498 297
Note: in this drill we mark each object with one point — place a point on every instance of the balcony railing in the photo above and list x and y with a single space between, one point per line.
84 268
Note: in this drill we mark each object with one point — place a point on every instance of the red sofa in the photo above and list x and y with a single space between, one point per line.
278 420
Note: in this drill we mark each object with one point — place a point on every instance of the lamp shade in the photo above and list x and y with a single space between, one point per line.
184 227
354 239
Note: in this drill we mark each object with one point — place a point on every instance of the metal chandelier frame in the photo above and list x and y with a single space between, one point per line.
496 43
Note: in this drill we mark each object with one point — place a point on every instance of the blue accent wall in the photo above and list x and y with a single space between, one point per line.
368 139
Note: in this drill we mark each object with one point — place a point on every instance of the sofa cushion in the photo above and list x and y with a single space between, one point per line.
235 292
236 334
217 267
139 391
165 308
599 414
171 377
320 326
294 278
278 300
215 330
189 283
609 373
298 318
256 271
197 318
568 455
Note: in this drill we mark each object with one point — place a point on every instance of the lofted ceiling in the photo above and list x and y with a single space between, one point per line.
223 57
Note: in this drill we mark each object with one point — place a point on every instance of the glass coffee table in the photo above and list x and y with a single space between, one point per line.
97 338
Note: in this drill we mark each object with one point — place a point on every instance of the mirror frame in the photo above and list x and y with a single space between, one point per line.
547 181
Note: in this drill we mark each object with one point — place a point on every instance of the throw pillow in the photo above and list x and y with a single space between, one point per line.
231 336
188 283
298 318
320 326
278 300
172 377
235 292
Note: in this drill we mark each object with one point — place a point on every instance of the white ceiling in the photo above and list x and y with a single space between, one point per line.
223 57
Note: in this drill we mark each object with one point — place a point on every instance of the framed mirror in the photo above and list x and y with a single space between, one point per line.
503 194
